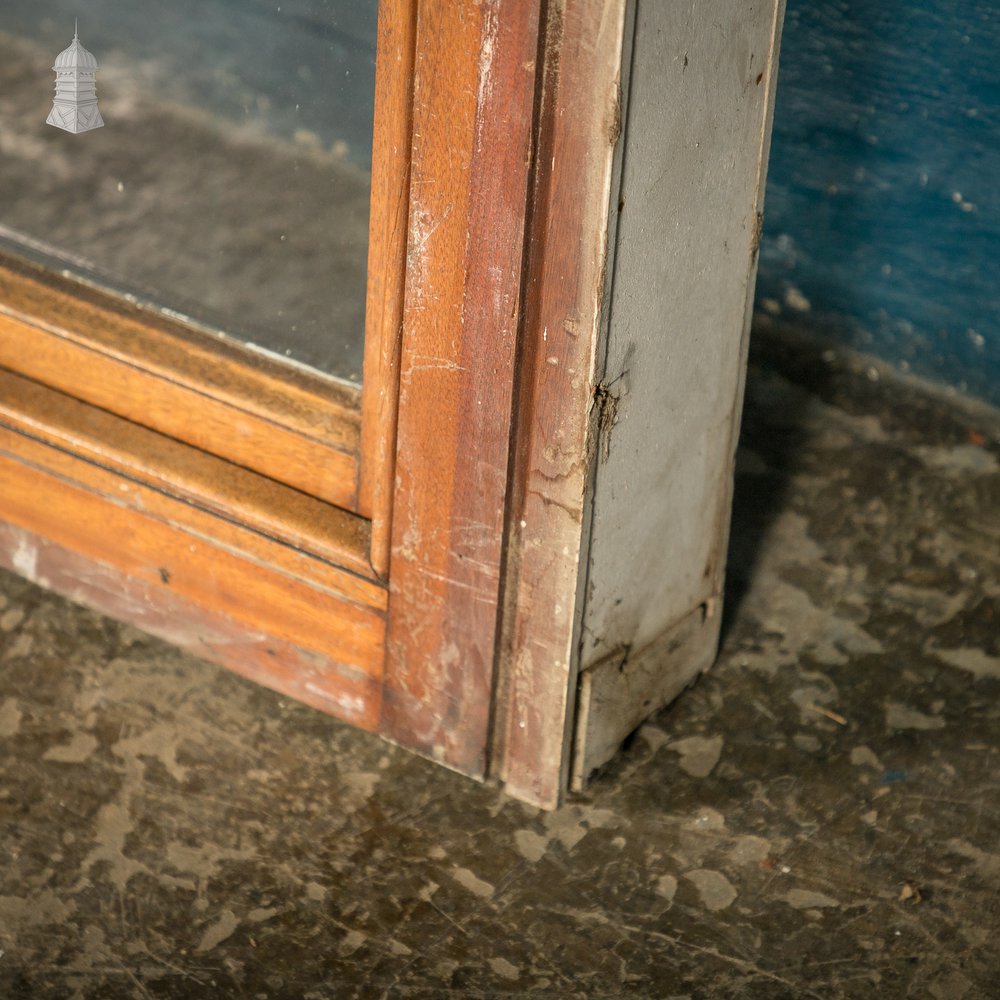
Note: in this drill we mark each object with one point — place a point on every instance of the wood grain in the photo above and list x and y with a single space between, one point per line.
556 419
386 268
38 494
474 89
317 680
289 425
185 472
197 517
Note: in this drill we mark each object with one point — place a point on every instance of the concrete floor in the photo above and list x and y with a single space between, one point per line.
818 817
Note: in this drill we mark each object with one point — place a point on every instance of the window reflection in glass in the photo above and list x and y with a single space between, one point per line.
231 179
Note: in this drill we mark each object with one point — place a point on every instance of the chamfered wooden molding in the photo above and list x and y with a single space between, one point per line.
474 92
397 30
141 552
296 427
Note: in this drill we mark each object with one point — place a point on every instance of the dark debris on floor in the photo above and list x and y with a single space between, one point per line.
819 816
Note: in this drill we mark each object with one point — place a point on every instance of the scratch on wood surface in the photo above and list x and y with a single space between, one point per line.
487 47
25 558
471 535
422 229
346 705
479 592
427 362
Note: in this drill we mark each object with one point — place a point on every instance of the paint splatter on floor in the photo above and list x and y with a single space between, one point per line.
817 817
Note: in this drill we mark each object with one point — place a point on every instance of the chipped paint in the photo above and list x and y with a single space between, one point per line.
216 814
25 558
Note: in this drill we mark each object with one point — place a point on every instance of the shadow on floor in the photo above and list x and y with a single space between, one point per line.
815 818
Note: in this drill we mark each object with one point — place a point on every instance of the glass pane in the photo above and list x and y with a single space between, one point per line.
231 177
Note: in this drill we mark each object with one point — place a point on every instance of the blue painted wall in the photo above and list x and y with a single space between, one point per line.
882 218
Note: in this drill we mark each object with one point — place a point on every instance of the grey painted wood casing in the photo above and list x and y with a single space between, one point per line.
697 99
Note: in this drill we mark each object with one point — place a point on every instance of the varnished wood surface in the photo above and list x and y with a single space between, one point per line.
386 268
317 680
201 479
474 89
155 538
297 428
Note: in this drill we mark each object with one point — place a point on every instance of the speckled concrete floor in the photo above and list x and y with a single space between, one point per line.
817 817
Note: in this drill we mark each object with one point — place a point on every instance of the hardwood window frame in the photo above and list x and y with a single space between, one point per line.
405 556
210 392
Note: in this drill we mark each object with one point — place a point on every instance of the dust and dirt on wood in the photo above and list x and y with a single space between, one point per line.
605 414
